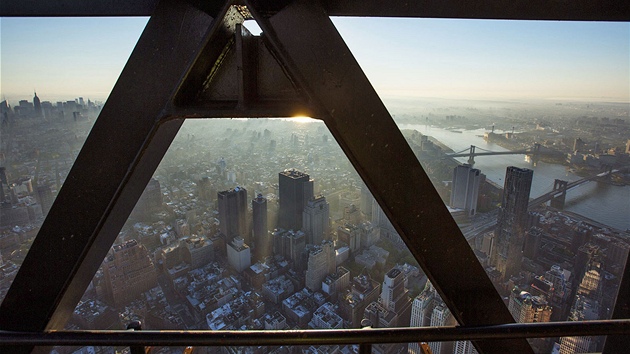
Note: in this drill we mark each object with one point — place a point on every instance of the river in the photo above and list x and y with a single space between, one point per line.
604 203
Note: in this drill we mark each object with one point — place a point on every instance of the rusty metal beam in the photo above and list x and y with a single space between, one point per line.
324 67
592 10
117 160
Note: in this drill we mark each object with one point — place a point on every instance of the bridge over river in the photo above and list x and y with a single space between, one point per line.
557 197
535 150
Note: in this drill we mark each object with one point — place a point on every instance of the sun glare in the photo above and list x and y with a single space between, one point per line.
301 119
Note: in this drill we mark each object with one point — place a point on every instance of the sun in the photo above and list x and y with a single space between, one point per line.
301 119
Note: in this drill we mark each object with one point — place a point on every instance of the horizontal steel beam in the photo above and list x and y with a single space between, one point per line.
316 337
594 10
578 10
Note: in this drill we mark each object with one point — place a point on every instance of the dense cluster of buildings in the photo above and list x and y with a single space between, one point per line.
550 266
231 243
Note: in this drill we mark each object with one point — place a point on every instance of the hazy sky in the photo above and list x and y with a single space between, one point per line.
64 58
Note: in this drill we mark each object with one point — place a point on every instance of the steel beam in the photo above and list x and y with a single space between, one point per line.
116 162
598 10
324 67
593 10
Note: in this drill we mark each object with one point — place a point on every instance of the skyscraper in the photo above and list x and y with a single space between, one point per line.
295 189
233 214
464 347
511 226
421 310
526 308
393 309
289 244
441 316
260 232
315 221
395 296
45 197
321 262
465 188
351 236
150 201
37 105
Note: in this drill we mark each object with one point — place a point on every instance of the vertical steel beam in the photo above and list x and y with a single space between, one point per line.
247 67
321 63
117 160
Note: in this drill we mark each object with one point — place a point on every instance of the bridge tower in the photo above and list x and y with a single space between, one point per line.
471 156
535 154
557 201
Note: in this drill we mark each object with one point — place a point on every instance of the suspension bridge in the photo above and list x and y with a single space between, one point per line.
558 194
557 197
472 152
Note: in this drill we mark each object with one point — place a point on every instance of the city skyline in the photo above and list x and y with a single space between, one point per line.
441 58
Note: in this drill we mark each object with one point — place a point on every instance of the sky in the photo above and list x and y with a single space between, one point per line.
66 58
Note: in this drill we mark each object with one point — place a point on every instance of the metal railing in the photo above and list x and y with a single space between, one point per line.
364 337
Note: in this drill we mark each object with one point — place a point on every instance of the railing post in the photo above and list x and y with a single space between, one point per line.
136 326
365 348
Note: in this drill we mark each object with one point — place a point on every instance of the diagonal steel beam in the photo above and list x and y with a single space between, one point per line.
117 160
322 64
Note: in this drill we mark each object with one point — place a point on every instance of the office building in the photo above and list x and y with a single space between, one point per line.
321 262
196 251
465 188
526 308
128 272
352 303
233 213
350 235
421 310
295 189
441 316
335 283
289 244
395 296
464 347
45 197
584 309
316 220
326 317
260 231
239 255
393 309
512 222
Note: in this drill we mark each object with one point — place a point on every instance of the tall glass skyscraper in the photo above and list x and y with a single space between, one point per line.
295 190
511 227
233 213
